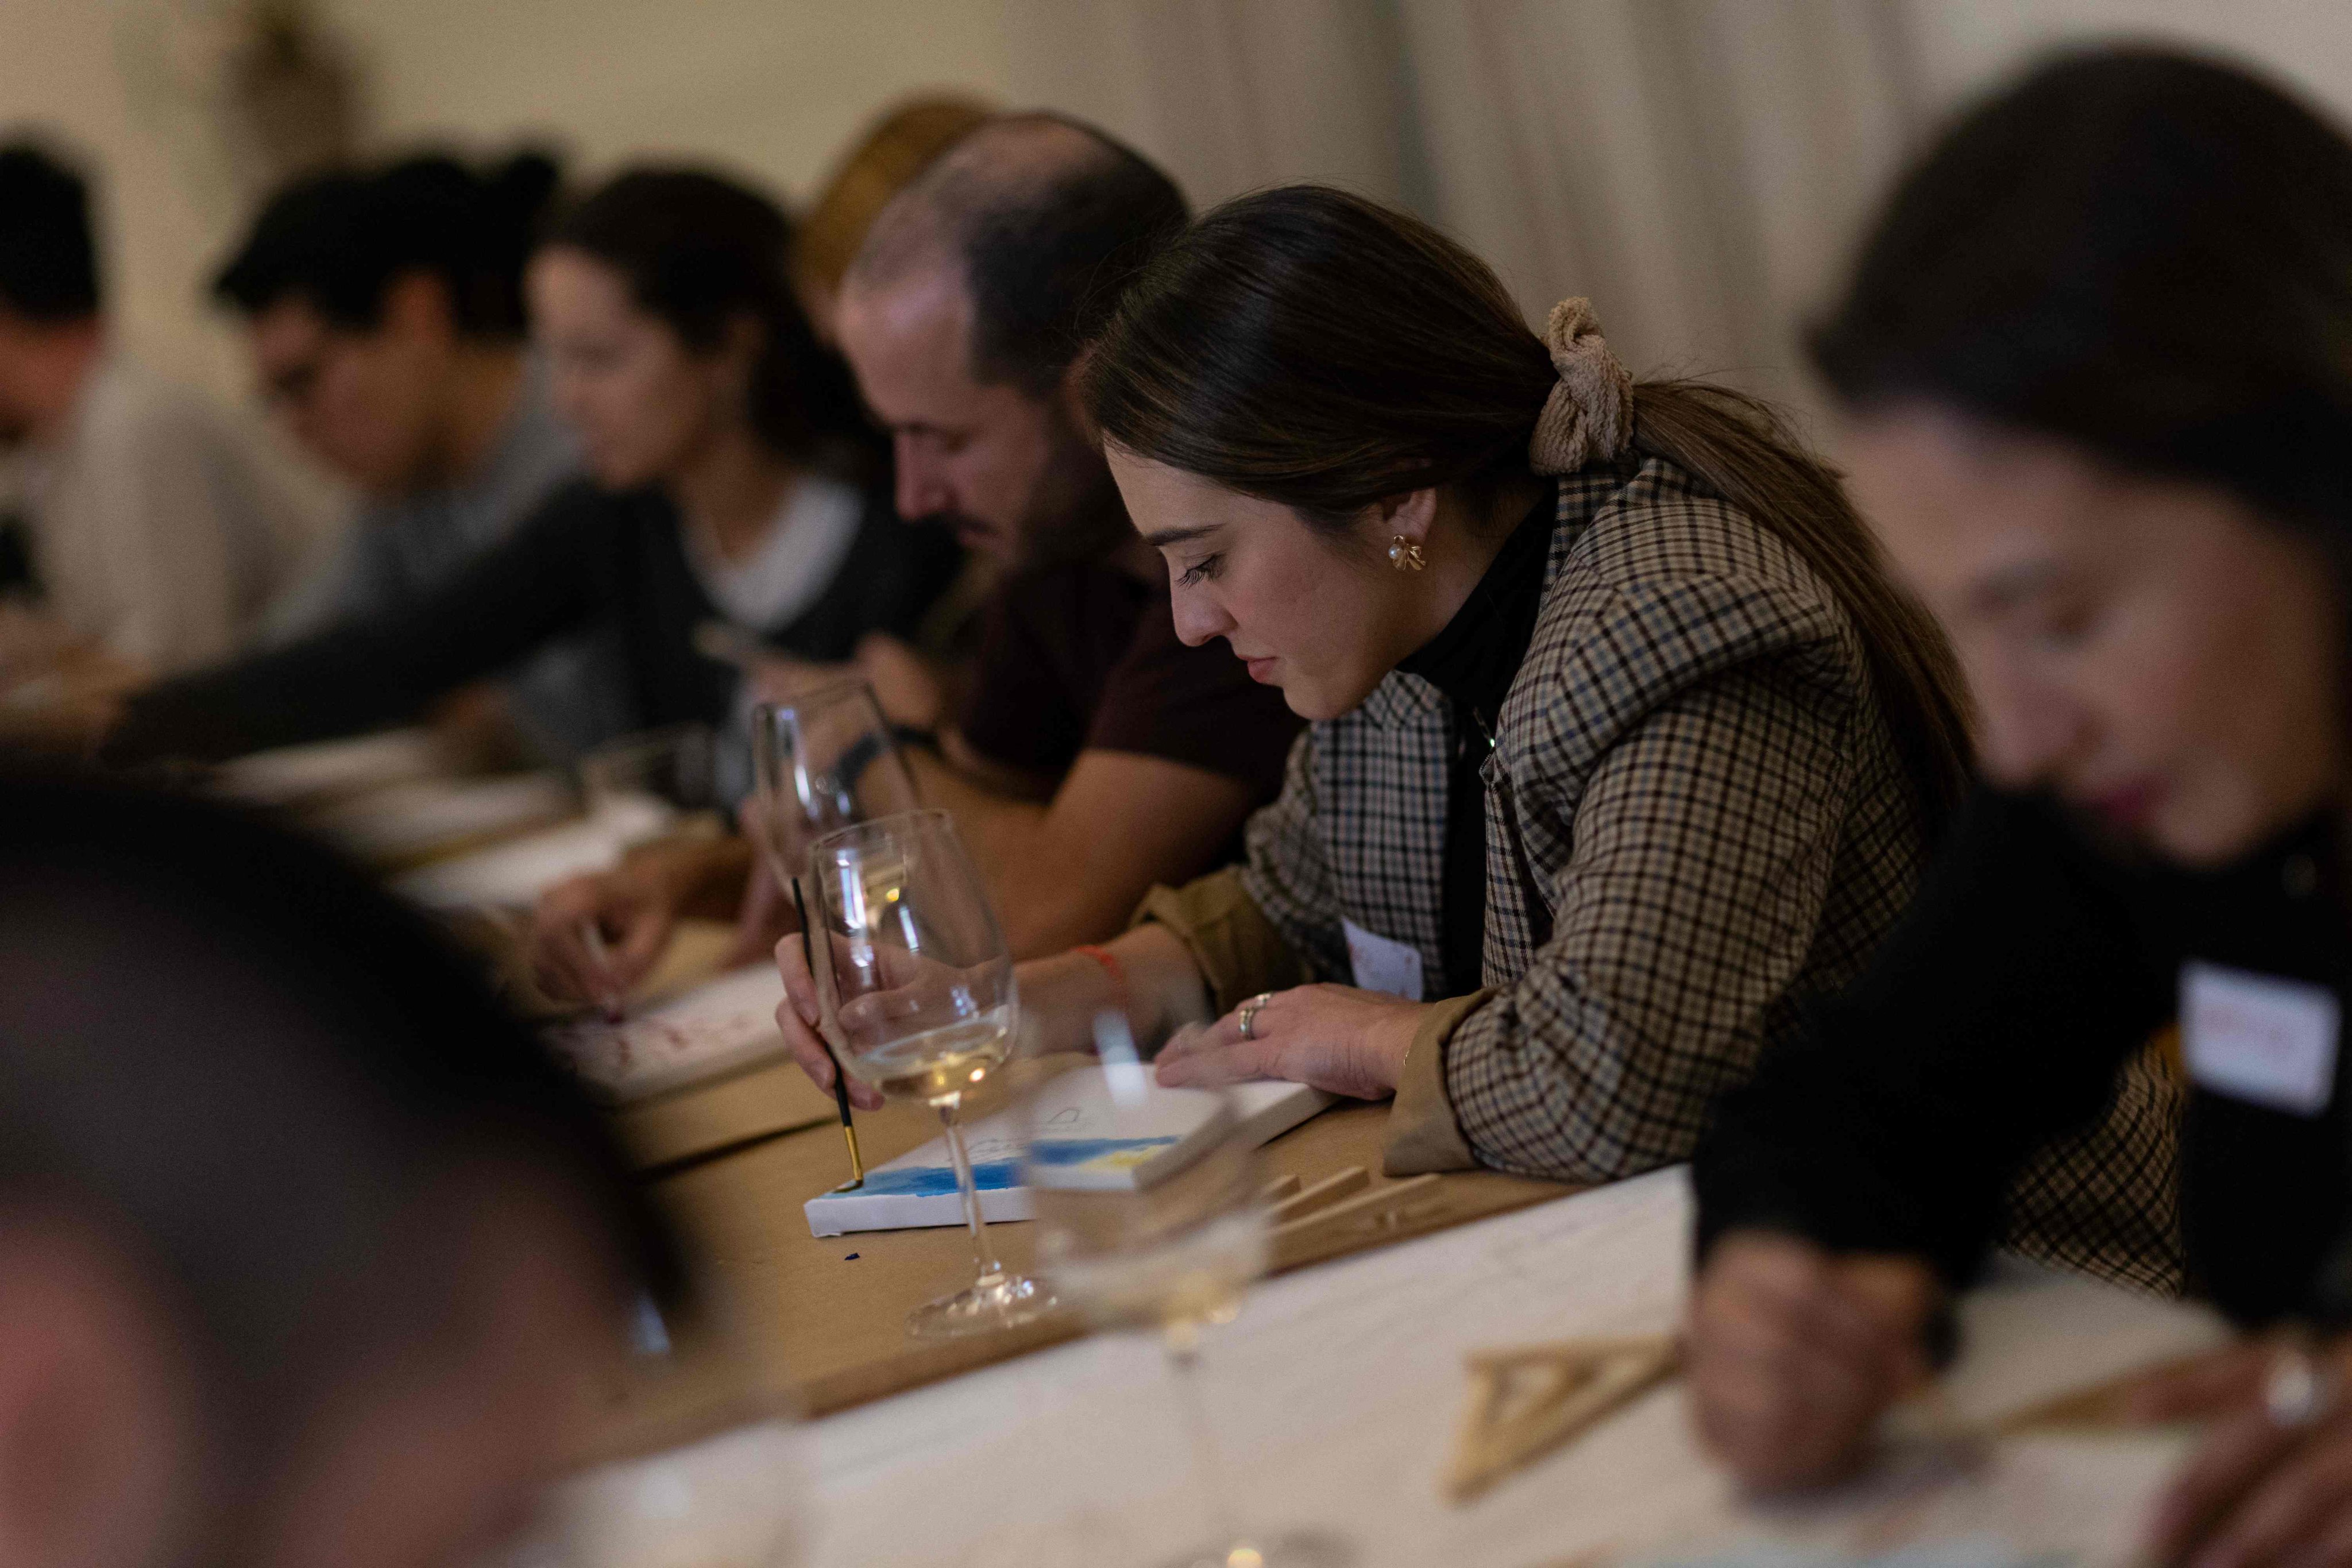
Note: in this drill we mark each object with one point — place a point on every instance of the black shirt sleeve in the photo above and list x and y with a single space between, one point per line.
1995 1019
543 581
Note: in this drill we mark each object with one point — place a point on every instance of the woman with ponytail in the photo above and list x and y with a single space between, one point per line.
1625 747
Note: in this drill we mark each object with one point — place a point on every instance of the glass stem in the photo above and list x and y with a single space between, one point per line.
1183 1345
969 1185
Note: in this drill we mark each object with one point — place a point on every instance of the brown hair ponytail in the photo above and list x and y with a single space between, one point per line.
1314 349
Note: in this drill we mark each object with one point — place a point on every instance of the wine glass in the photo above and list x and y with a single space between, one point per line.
1150 1216
915 986
821 761
653 784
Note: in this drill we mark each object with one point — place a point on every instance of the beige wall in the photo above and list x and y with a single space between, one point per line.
67 69
1538 129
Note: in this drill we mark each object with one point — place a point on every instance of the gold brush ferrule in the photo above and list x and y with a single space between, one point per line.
857 1162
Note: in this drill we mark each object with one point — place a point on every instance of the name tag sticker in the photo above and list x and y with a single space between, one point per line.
2257 1038
1381 964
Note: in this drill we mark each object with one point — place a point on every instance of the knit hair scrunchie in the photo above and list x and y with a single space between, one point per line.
1590 412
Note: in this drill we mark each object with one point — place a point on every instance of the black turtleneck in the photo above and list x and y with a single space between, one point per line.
1473 661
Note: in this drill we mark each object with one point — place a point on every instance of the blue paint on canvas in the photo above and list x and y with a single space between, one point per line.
997 1175
934 1181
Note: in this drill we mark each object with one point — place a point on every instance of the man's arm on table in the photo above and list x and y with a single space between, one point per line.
1073 869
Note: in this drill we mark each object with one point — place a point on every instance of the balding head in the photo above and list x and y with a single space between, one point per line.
1041 221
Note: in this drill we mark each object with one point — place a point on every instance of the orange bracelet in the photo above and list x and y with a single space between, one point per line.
1111 966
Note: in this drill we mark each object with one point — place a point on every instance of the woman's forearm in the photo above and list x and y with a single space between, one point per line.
1063 994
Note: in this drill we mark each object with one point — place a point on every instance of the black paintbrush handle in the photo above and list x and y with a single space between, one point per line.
808 956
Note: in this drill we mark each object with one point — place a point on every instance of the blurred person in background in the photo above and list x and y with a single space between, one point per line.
723 879
2094 357
733 482
1095 753
308 1255
384 312
885 161
138 521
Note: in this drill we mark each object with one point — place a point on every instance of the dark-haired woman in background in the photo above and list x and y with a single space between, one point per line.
734 479
2094 358
1624 747
385 317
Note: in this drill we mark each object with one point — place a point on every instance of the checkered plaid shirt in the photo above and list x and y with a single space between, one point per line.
1696 822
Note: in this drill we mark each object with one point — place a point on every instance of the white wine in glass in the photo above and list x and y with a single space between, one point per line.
1174 1254
915 984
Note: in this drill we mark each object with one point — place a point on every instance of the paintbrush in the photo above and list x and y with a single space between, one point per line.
840 1078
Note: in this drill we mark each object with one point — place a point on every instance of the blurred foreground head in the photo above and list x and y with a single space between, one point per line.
307 1256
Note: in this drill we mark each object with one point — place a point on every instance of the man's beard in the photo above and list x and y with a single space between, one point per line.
1073 511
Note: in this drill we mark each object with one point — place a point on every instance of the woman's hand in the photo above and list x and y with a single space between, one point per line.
798 1018
632 916
1334 1037
1793 1355
2268 1486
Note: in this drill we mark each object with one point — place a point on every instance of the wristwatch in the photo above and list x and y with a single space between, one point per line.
860 756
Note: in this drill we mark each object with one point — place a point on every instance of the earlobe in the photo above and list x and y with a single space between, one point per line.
1407 516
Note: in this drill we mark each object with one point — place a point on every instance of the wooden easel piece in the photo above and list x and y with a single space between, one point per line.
1275 1191
1322 1194
1525 1403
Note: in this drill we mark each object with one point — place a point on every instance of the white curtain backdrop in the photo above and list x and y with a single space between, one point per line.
1695 166
1229 95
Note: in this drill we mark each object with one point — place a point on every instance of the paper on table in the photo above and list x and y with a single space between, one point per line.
1096 1147
513 875
727 1023
412 818
289 775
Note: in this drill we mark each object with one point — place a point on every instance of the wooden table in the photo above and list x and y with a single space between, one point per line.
820 1322
1336 1396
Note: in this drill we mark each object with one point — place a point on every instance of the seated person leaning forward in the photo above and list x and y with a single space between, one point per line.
733 480
385 315
1625 749
2094 359
1095 752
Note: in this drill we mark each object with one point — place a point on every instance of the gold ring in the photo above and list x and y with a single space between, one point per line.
1249 1011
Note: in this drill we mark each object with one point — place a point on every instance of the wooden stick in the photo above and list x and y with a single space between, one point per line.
1383 1205
1275 1191
1329 1191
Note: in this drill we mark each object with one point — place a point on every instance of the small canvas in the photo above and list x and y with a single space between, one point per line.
1111 1128
717 1027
